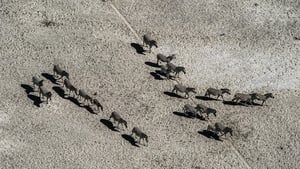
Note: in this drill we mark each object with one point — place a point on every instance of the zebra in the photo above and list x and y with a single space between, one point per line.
97 103
217 92
176 69
171 66
211 128
58 71
69 86
45 92
84 95
206 110
244 98
165 70
219 129
163 58
264 97
149 41
140 134
37 81
223 130
179 69
183 89
210 111
117 118
190 109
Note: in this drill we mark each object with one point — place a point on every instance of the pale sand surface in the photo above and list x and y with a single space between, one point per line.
93 42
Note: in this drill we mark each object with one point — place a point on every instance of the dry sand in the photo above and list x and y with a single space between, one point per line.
233 44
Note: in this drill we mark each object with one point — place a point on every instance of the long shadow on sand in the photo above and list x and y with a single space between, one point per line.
62 94
246 104
36 100
205 98
28 88
152 64
89 109
139 48
210 134
108 124
130 139
232 103
189 115
174 95
50 77
156 76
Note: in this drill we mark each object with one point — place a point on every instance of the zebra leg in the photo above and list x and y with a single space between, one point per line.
195 114
244 104
187 95
251 102
168 76
236 100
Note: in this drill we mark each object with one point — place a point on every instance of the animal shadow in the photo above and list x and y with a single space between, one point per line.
189 115
108 124
89 109
210 134
152 64
204 98
156 76
59 91
36 100
182 114
28 89
174 95
74 100
50 77
232 103
256 104
130 139
139 48
160 73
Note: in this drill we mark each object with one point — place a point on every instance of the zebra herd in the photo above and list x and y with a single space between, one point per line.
170 71
60 74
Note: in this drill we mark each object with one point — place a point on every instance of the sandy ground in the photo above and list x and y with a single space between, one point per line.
233 44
